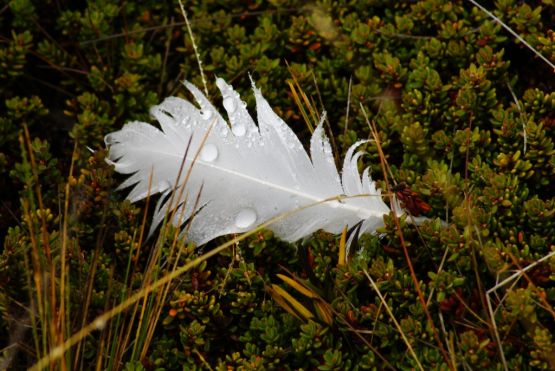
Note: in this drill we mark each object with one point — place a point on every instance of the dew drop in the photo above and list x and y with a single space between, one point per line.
206 115
229 105
334 204
109 139
239 129
245 218
209 152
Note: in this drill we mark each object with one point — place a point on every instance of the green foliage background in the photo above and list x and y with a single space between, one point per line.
466 117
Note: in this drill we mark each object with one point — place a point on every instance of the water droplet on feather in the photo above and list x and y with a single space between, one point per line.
109 139
209 152
229 105
245 218
239 129
206 115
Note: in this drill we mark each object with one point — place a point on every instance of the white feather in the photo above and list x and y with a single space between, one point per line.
244 174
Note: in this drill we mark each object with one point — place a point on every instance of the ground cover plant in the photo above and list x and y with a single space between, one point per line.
461 117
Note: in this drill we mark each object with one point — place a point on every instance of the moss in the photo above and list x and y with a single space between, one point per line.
465 115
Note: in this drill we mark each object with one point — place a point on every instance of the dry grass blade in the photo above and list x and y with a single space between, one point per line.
44 266
348 105
156 305
298 286
324 311
392 316
101 321
415 280
302 102
329 313
492 16
299 104
197 55
308 109
283 303
293 303
514 277
342 258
